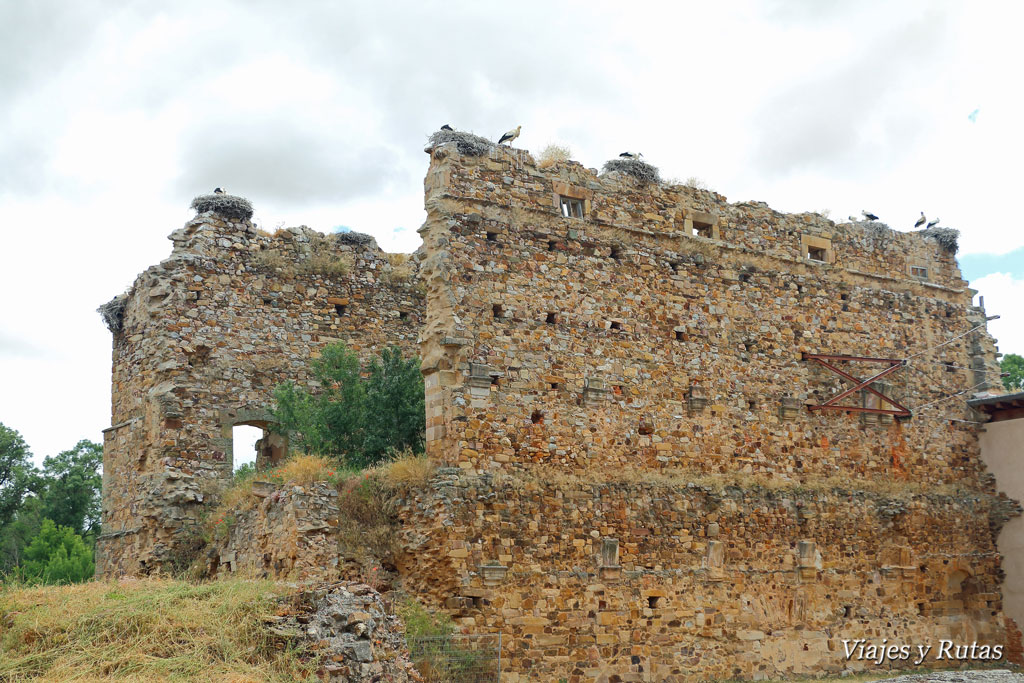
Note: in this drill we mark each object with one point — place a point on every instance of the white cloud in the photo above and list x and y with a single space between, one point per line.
116 114
1003 296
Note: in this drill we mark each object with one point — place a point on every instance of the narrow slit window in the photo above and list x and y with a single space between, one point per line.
817 254
571 207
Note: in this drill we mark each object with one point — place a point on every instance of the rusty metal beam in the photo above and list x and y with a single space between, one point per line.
894 365
862 359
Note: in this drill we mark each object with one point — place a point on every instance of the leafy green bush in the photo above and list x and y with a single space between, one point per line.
362 421
57 556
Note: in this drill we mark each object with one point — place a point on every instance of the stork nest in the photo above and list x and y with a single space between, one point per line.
946 237
876 230
356 239
640 170
113 312
226 205
467 143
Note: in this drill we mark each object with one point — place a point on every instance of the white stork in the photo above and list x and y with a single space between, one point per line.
219 190
869 216
932 224
510 135
920 221
631 155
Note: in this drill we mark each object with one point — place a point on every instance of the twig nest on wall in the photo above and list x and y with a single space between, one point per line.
948 238
226 205
640 170
113 312
468 144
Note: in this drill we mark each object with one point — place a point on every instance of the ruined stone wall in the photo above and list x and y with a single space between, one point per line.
290 533
200 342
620 359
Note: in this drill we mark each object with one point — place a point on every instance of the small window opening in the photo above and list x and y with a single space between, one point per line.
498 311
816 254
571 207
744 277
844 297
616 325
751 405
615 253
551 245
702 229
653 602
492 237
676 265
536 417
403 315
340 309
919 272
680 336
950 367
495 381
554 385
551 319
949 313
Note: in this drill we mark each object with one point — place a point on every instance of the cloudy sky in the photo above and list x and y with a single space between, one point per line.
113 115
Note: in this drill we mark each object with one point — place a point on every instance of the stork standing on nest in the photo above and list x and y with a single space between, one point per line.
631 155
219 190
868 216
446 127
920 221
510 135
932 224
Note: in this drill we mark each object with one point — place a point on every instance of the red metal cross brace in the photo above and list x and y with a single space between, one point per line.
831 404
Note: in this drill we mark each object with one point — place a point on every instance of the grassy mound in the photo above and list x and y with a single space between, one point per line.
146 630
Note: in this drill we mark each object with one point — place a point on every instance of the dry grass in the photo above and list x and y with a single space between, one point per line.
299 470
718 483
402 270
368 503
331 265
148 630
271 260
553 154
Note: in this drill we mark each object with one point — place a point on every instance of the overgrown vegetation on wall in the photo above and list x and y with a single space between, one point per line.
359 417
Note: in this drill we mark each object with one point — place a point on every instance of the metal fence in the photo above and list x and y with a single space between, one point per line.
457 658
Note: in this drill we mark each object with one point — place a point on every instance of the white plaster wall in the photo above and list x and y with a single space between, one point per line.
1002 449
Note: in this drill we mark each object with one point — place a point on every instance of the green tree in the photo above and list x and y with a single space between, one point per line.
57 555
1013 365
69 488
15 537
361 420
15 473
395 414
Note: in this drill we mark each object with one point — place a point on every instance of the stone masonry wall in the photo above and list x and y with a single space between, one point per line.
290 533
200 342
587 377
